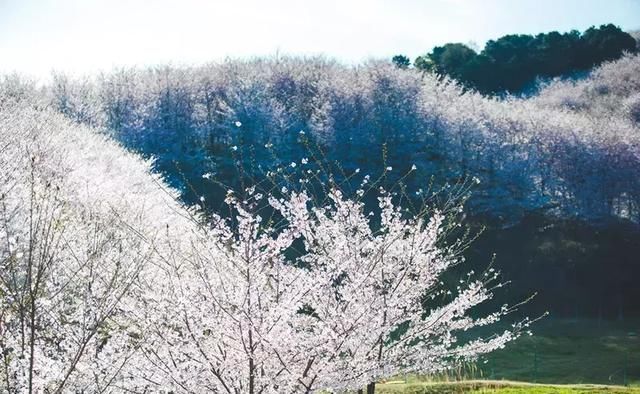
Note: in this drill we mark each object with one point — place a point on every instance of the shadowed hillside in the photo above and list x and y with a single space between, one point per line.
558 175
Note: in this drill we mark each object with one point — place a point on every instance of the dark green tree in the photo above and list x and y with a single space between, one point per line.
423 63
602 44
513 62
553 52
401 61
513 57
452 59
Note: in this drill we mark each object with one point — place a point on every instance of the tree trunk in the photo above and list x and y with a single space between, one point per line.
251 376
371 388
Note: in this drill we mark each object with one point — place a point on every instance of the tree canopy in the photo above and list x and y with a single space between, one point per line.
512 62
401 61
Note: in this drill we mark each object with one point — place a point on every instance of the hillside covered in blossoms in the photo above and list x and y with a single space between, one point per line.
296 224
564 157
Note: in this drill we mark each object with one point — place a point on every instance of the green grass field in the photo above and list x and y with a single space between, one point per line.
570 352
500 387
563 356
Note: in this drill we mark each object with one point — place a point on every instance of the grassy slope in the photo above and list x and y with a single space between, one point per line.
586 356
571 352
500 387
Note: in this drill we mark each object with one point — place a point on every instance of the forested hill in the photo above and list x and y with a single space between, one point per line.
513 62
552 169
570 152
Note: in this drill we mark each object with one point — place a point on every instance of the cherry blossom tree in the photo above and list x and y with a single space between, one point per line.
301 296
109 284
374 276
76 243
230 318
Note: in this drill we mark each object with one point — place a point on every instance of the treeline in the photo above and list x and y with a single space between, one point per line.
513 62
570 154
530 156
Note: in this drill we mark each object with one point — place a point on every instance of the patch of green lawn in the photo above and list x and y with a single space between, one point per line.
570 352
563 356
499 387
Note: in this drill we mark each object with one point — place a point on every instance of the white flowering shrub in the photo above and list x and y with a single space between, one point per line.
80 219
632 108
302 296
372 281
229 313
108 284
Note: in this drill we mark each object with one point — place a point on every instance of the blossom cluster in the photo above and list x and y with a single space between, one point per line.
109 284
569 150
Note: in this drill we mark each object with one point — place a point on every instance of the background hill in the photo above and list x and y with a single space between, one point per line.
557 174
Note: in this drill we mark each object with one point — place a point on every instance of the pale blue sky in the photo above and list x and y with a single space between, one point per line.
37 36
